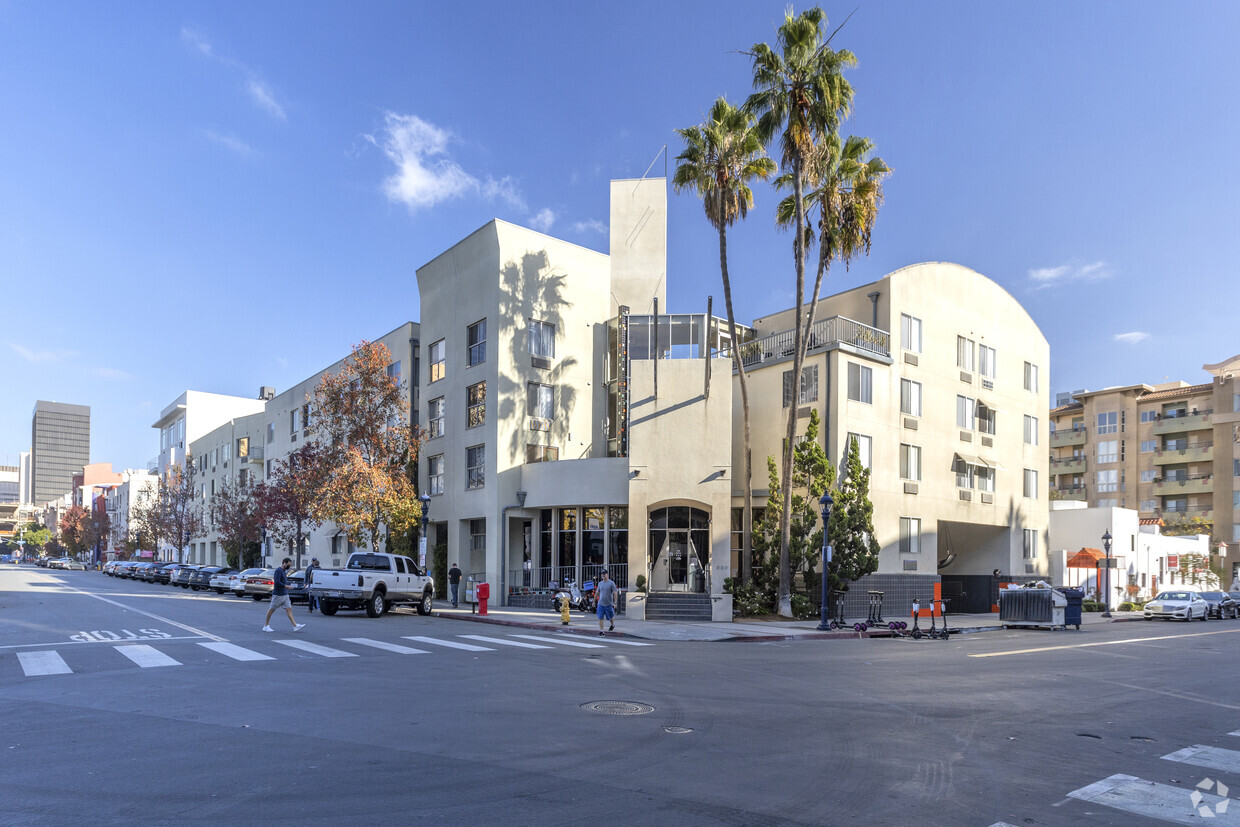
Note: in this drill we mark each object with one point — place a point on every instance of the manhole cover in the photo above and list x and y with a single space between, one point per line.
618 708
677 730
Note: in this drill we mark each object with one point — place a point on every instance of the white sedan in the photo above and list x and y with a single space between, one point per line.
1178 606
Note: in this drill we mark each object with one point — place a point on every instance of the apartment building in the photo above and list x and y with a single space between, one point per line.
59 447
1171 450
135 489
194 414
231 454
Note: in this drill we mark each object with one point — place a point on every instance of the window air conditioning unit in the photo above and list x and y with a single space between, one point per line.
537 424
541 362
988 384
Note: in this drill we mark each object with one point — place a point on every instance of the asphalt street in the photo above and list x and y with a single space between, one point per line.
132 703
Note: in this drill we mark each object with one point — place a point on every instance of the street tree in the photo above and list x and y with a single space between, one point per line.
287 500
800 97
179 507
35 535
75 529
854 547
236 516
721 157
361 426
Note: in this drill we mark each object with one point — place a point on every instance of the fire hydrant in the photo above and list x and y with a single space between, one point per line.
564 611
484 592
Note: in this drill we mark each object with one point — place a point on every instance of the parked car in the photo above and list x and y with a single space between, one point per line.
259 586
220 581
238 585
73 565
1221 605
296 588
109 566
201 579
181 574
126 569
142 571
1177 605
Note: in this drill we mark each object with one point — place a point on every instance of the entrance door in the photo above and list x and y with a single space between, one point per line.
679 549
677 560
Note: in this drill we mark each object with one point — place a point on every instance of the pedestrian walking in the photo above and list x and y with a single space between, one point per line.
606 591
312 602
454 582
279 597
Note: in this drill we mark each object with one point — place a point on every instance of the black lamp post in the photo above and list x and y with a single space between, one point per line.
426 519
1106 544
824 623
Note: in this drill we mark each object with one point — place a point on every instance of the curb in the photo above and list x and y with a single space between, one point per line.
541 627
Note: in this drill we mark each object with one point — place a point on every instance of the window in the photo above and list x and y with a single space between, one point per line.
964 473
964 353
985 419
1149 475
434 474
965 413
1108 422
243 447
294 421
985 478
1108 450
541 453
1149 505
542 339
475 466
434 417
1149 416
864 449
1235 402
910 334
306 410
809 385
1031 430
438 355
1031 377
910 397
1031 544
393 371
1031 483
476 405
1235 499
1148 446
476 342
1108 482
478 535
910 535
226 451
860 383
986 361
1235 467
541 401
910 462
271 432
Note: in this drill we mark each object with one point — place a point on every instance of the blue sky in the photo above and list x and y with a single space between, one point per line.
225 195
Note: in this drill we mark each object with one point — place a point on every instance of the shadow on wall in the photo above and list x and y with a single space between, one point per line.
532 290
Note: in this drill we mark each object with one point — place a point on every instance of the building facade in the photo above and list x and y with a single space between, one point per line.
195 413
135 489
1169 451
59 448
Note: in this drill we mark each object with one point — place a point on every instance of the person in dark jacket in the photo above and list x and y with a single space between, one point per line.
311 600
454 582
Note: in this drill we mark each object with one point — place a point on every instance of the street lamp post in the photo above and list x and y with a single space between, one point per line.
824 623
1106 544
426 518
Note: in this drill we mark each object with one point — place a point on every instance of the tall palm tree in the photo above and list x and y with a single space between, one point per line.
801 90
720 158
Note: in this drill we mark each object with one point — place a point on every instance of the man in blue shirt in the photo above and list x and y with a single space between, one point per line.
279 597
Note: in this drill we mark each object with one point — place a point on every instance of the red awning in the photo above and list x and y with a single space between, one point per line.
1086 558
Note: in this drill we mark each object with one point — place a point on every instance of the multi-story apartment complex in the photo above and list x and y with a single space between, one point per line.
60 447
1171 451
122 501
195 413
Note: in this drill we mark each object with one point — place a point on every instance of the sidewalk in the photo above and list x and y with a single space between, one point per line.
754 630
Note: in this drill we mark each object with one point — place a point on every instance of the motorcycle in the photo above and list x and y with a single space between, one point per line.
581 599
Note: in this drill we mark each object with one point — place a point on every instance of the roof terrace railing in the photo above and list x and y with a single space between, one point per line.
836 330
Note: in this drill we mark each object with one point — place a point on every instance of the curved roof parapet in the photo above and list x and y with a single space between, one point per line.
1228 367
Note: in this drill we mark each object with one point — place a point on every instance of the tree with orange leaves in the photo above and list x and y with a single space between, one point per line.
360 422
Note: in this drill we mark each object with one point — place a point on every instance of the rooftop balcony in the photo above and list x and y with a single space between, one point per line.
1070 436
1195 452
1197 484
1072 492
826 333
1195 421
1068 465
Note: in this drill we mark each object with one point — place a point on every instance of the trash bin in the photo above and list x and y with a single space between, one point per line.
1032 607
1072 611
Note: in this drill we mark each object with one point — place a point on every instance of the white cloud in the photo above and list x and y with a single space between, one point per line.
1131 338
112 373
235 144
506 189
1073 271
543 220
591 226
254 85
38 356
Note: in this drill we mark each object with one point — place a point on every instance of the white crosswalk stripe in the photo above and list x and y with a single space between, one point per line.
234 651
316 649
43 663
561 641
1154 800
1224 760
503 642
451 644
146 656
610 641
387 647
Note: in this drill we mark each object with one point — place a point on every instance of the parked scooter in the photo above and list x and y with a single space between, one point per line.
581 599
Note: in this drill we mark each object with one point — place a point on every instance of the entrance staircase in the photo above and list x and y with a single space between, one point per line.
683 606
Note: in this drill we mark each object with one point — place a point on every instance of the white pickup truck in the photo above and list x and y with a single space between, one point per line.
374 582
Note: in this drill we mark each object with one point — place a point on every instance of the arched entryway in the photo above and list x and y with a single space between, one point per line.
679 550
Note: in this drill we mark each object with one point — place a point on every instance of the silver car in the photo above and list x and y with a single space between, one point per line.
1178 605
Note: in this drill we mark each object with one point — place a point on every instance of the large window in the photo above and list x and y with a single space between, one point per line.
910 535
393 371
809 386
476 343
1031 430
438 364
865 449
910 333
1108 422
541 453
618 543
985 479
434 474
910 397
860 383
434 417
986 361
966 413
1149 475
1031 483
964 353
1149 446
1108 450
986 418
1031 544
478 535
475 466
542 339
540 401
910 462
476 405
568 543
1031 377
1149 416
1108 482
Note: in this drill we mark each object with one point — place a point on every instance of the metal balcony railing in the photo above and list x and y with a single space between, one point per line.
825 332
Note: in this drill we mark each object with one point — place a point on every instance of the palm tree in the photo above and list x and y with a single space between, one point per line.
801 90
720 158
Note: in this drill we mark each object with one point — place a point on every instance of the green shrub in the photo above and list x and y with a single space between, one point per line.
1126 606
640 583
803 608
1091 606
